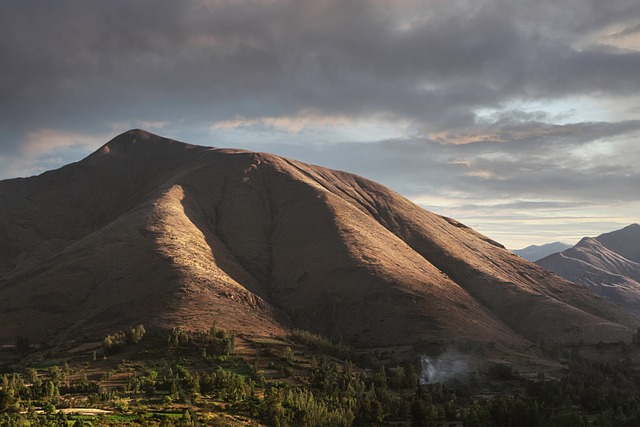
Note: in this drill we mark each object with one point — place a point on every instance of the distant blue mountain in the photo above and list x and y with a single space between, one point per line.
534 253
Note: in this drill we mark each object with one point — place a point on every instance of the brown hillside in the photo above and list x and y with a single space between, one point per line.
151 230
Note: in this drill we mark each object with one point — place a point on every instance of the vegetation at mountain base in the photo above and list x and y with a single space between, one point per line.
214 378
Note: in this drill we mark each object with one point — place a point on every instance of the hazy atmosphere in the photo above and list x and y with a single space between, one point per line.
520 119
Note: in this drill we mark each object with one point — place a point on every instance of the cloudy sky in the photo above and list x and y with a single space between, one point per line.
518 118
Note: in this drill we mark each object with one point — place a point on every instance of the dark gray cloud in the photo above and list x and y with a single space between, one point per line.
76 61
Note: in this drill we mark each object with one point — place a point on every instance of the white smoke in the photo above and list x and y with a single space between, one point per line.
443 368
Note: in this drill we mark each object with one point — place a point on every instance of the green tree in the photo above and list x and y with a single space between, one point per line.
287 355
31 375
135 334
55 374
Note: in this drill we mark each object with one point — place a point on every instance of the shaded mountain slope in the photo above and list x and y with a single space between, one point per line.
151 230
625 242
605 264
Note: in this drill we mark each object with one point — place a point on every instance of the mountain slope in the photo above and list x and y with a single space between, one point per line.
534 252
605 264
151 230
625 242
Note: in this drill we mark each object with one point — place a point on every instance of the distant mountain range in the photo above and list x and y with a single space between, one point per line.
154 231
534 253
609 265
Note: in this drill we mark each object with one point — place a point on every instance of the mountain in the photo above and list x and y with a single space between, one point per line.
533 253
609 265
154 231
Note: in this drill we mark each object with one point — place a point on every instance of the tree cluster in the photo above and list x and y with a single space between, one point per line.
116 342
214 342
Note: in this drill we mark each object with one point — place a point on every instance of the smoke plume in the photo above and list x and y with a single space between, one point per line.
443 368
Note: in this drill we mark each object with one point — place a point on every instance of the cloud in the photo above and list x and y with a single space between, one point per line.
50 140
628 31
431 63
293 124
45 149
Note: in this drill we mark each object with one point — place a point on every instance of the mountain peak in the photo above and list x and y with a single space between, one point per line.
587 242
126 139
140 140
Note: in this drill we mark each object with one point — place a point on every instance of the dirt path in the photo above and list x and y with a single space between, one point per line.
84 411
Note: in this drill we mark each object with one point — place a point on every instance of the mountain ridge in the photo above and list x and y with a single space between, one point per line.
147 229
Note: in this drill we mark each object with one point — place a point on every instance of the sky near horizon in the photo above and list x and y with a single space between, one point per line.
519 119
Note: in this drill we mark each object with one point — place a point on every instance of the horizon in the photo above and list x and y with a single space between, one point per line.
518 120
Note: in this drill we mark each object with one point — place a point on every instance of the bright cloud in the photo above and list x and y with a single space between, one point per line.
42 141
